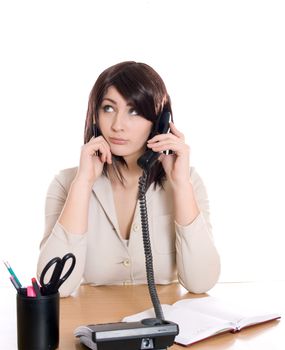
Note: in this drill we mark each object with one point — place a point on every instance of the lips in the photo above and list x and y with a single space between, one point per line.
117 141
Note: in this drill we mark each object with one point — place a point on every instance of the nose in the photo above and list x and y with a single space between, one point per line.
118 122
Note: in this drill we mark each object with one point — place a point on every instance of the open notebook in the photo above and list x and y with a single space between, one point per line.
201 318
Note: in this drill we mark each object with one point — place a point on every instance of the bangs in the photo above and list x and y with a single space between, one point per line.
138 92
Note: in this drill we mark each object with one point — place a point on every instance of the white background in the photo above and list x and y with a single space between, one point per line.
223 64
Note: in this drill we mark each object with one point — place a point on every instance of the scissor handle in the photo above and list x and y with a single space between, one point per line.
56 280
45 270
68 272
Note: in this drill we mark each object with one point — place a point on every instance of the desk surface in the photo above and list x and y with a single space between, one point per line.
112 303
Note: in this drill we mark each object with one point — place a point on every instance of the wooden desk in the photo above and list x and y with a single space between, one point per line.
112 303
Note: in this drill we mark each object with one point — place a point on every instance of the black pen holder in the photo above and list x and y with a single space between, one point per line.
38 322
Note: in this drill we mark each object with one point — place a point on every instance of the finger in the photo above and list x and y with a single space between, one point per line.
108 158
178 148
108 149
96 139
100 140
109 161
175 131
105 155
93 148
108 152
165 142
161 137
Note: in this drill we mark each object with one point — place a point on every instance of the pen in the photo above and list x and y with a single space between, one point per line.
12 273
15 284
36 287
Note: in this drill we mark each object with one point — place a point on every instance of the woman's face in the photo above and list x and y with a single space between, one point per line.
125 131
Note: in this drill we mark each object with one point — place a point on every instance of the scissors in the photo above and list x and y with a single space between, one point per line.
56 278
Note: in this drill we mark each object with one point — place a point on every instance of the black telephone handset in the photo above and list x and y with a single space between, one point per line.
160 127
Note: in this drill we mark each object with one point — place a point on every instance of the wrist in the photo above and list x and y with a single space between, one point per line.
185 205
82 183
181 185
183 190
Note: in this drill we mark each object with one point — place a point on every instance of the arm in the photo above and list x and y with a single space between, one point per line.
74 216
67 207
58 241
185 205
197 259
198 262
176 167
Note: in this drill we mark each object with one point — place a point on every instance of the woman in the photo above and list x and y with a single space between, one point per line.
92 210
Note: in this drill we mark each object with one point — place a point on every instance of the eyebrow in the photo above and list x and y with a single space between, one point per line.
109 99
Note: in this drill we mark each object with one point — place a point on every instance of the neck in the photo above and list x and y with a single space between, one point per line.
131 174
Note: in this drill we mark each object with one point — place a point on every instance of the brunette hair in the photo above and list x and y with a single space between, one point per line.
141 86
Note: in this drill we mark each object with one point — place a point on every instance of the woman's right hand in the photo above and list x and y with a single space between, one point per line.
92 158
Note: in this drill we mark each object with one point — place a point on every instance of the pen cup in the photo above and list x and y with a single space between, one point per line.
38 322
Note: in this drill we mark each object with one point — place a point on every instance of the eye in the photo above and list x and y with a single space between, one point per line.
107 108
133 111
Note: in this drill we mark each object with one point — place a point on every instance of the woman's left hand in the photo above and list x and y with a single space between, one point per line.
176 165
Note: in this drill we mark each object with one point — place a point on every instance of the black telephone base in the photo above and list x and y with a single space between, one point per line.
150 333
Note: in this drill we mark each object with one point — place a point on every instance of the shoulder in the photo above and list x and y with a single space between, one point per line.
67 174
199 187
64 178
194 176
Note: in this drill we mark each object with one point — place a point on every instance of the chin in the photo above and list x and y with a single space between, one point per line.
119 153
126 152
127 155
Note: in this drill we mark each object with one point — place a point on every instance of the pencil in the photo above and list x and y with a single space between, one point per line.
15 284
12 273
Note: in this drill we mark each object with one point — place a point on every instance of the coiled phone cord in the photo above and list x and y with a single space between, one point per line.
147 248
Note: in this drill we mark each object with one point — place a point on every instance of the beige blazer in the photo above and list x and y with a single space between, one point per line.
186 253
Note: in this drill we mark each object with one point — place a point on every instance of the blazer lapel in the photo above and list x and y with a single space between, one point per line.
103 191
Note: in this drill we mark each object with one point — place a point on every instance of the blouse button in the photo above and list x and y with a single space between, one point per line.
136 227
127 262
